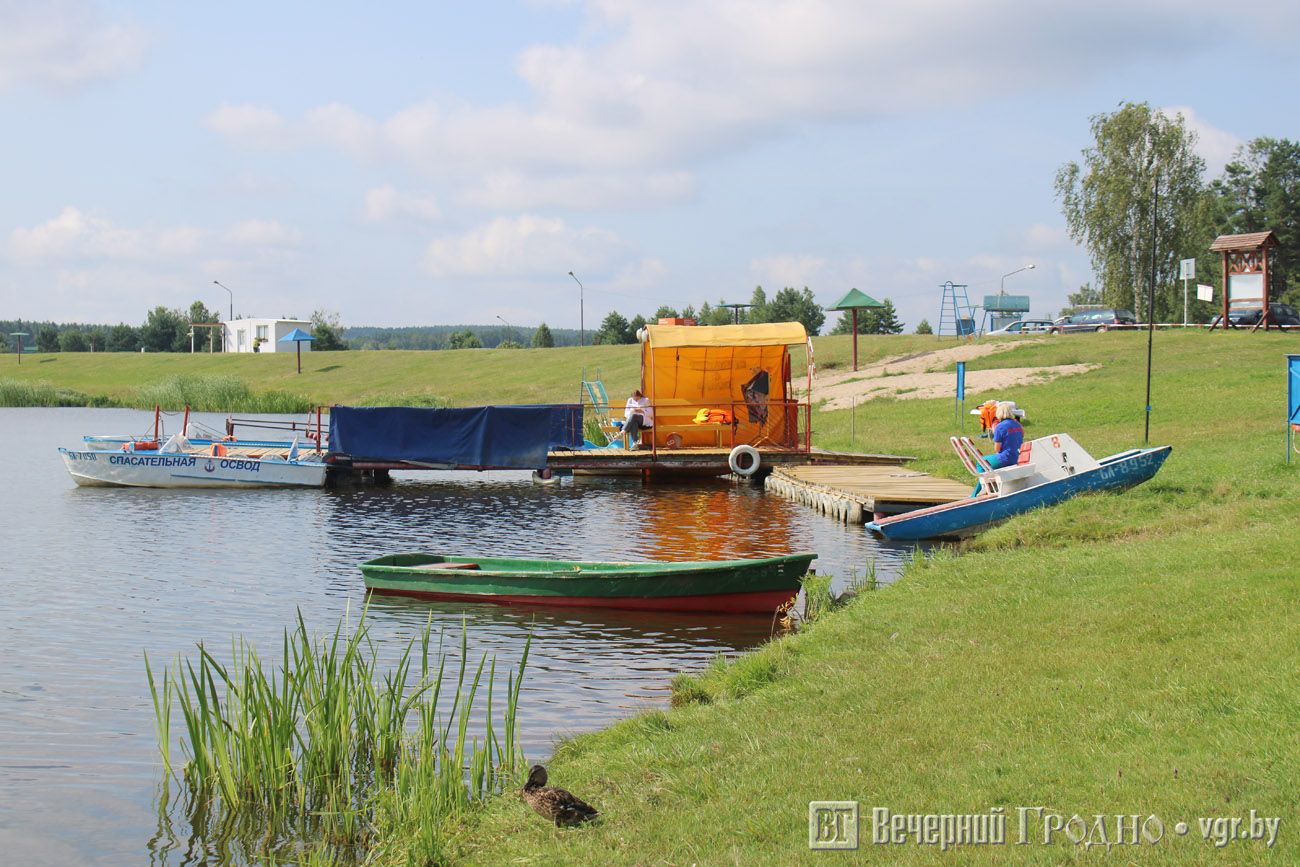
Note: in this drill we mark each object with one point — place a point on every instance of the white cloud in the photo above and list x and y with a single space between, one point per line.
652 87
525 245
596 191
646 274
1215 145
263 233
91 241
386 203
75 235
1040 238
774 273
343 127
251 125
64 44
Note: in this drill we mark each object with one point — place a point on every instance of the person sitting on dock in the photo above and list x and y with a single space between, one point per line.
638 416
1008 437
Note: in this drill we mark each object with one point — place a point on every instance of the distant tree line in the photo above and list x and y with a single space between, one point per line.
164 330
422 337
169 330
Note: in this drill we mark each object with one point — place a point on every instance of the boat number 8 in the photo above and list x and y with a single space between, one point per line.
1056 442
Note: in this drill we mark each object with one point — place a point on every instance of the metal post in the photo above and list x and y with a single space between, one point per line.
582 331
224 348
855 339
960 403
1151 304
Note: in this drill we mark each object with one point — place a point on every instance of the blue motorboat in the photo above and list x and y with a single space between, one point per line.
1051 469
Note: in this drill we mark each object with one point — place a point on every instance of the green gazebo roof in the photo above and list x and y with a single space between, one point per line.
855 299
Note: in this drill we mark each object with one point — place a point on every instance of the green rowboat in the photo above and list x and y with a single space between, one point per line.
730 586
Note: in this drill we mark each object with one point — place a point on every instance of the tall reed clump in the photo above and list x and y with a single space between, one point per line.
15 392
319 751
406 398
218 394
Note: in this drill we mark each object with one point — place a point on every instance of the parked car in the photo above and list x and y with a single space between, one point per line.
1247 313
1023 326
1102 319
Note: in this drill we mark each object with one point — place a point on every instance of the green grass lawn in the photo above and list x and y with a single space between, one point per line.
1133 653
468 377
1122 654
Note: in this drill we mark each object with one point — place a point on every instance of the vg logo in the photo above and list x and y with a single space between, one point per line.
832 824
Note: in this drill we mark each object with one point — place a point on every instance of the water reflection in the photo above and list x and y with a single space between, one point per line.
94 577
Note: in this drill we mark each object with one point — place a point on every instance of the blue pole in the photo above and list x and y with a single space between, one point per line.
961 394
1292 400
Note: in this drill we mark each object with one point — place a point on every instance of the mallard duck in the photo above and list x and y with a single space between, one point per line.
552 802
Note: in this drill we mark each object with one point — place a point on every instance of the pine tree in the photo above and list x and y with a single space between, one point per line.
542 337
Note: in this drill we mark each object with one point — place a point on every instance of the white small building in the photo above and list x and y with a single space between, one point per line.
243 335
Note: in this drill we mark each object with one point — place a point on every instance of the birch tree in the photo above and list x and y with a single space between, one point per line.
1108 203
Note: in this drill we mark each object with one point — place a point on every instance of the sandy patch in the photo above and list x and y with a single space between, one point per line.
916 376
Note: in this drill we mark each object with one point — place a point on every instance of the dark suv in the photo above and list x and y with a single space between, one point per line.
1101 319
1244 314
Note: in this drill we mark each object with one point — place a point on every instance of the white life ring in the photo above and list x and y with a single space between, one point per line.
733 460
545 477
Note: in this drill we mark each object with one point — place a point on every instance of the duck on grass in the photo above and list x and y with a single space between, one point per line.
552 802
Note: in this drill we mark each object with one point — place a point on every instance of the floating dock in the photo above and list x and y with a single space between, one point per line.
704 461
858 494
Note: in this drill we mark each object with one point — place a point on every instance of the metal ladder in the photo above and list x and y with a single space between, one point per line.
956 312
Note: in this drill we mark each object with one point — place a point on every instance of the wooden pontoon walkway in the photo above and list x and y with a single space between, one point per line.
856 494
704 461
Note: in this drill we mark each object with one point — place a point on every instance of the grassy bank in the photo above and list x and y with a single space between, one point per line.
459 378
466 377
1131 654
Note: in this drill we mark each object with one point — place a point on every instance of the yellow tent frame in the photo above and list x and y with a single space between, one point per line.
741 369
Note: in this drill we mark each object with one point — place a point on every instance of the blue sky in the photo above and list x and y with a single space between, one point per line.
449 163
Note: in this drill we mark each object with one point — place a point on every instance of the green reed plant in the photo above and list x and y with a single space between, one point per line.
41 393
312 751
217 394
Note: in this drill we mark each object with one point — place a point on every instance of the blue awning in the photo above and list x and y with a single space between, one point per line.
295 335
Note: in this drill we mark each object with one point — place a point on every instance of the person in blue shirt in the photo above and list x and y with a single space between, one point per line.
1008 437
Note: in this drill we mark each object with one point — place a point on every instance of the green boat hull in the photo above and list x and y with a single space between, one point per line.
730 586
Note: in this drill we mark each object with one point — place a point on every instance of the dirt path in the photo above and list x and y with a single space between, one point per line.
910 376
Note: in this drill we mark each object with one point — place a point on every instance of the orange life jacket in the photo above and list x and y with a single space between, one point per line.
989 415
713 416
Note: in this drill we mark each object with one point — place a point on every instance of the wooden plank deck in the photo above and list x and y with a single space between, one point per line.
703 460
857 494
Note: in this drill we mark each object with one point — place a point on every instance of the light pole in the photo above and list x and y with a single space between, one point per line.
582 332
232 313
507 328
1002 288
232 298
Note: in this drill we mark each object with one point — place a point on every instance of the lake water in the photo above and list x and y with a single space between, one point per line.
96 577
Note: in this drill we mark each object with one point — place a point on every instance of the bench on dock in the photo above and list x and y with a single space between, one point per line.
675 417
675 427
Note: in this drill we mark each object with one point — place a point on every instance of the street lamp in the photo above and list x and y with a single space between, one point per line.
507 328
232 298
1002 290
232 316
582 333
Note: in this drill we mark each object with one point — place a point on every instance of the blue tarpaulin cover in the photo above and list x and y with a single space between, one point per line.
475 436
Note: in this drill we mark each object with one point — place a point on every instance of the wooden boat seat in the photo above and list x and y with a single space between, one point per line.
447 566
